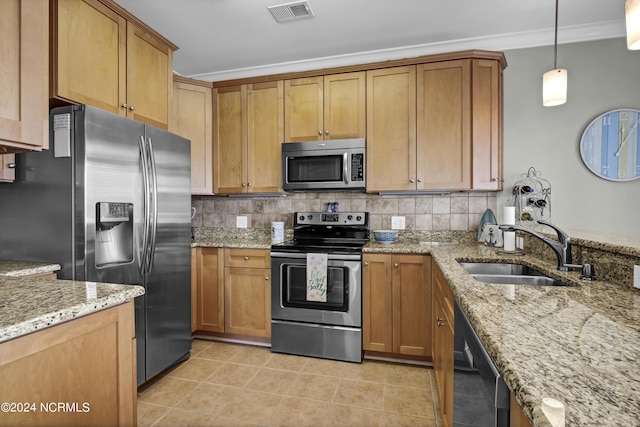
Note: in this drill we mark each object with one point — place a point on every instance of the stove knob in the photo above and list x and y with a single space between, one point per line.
349 217
309 217
301 218
358 218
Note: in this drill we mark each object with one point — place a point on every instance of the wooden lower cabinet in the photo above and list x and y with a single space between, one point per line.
233 291
247 292
443 335
517 418
87 364
209 278
397 304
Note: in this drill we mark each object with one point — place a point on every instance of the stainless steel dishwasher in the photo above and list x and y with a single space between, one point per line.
480 395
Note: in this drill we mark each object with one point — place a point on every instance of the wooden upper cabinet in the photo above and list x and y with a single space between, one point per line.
487 124
265 134
391 129
149 78
444 126
104 57
248 133
193 119
24 110
325 107
229 139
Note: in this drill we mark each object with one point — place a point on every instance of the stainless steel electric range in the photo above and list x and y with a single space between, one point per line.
332 328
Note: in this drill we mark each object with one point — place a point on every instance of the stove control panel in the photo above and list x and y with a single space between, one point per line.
331 218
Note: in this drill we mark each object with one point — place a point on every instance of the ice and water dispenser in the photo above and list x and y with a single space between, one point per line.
114 233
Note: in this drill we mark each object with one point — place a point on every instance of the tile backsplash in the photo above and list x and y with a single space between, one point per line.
456 211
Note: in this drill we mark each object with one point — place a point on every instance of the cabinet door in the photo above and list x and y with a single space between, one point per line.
248 301
24 110
229 139
443 362
265 134
443 336
344 106
7 168
391 129
89 54
303 109
487 125
192 119
411 276
444 131
210 267
377 303
149 78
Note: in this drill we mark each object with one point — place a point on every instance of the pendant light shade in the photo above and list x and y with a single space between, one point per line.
554 87
632 14
554 82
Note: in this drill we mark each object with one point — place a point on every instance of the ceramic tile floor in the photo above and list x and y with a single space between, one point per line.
225 384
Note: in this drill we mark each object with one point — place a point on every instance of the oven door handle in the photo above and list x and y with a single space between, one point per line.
304 256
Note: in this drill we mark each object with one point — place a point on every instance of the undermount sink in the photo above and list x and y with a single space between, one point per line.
505 273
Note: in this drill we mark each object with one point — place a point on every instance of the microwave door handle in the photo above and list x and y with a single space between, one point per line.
345 167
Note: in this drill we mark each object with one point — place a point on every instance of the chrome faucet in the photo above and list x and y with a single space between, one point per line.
561 247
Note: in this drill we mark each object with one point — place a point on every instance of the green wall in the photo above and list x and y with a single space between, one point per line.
602 75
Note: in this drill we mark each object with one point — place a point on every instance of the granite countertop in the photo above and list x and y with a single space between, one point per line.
30 304
26 268
578 344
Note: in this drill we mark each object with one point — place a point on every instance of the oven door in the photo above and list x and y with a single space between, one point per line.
344 290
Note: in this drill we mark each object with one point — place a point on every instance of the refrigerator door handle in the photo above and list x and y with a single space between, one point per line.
154 213
144 249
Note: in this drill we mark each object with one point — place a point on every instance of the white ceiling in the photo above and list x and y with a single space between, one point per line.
226 39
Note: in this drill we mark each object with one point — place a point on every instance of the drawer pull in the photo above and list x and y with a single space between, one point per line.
246 258
440 322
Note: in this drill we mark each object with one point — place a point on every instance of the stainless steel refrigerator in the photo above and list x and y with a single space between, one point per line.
110 202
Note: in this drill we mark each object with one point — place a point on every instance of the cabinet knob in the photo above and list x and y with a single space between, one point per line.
366 263
326 132
419 179
132 108
412 181
11 165
395 265
244 185
246 258
319 133
497 180
249 185
124 106
266 278
440 321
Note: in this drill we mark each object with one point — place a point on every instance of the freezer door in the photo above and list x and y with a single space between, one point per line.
168 283
109 197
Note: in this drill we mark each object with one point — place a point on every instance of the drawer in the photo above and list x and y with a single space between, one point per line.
247 258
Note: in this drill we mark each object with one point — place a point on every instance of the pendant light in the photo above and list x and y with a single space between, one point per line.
554 82
632 14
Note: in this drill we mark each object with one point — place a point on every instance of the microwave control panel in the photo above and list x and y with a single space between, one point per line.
357 167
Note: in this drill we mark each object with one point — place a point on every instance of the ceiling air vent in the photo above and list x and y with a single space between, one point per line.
291 11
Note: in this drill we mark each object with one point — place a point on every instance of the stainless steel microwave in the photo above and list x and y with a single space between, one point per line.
337 165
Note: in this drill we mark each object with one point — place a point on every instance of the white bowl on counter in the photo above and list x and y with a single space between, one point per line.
385 236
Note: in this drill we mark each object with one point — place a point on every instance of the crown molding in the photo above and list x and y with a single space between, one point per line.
499 42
